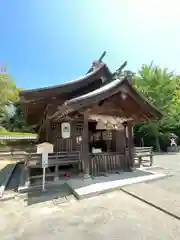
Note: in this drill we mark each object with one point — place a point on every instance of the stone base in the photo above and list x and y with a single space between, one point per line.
86 176
86 188
56 179
173 149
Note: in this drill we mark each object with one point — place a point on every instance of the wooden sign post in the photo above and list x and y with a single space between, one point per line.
44 166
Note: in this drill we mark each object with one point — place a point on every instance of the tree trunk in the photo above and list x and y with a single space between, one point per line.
158 148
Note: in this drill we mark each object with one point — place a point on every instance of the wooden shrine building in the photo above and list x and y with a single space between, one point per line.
93 115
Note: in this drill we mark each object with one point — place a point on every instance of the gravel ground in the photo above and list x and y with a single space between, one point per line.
112 216
169 161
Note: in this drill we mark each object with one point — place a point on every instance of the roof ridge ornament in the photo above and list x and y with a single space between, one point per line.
126 74
118 72
97 63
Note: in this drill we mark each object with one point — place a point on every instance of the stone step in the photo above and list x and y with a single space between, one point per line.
5 175
93 187
11 190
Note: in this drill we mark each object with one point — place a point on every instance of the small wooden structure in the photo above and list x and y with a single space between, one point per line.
45 148
93 115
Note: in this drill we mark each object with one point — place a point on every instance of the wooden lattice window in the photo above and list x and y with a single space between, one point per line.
53 126
79 129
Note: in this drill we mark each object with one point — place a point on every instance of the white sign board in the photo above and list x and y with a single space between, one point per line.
96 150
44 160
65 130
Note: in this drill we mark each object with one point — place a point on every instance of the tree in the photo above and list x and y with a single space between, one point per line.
11 115
159 87
8 90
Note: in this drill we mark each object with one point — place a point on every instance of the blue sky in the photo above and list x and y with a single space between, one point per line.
49 42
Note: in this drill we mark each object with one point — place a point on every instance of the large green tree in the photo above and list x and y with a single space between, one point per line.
160 87
8 90
11 115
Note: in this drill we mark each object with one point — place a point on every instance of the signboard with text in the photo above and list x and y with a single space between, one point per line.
44 160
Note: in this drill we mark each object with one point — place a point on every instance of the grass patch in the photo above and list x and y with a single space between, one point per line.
7 133
6 136
17 134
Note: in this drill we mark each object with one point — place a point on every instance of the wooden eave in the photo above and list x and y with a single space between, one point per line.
35 101
142 101
94 98
41 93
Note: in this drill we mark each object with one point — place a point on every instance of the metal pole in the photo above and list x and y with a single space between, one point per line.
44 165
44 179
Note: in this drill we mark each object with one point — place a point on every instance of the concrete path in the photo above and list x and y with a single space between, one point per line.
169 161
164 200
162 193
111 216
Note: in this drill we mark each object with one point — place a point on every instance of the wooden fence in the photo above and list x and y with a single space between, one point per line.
106 163
54 159
18 148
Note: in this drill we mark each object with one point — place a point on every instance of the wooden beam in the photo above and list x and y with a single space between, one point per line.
130 144
42 121
47 129
85 142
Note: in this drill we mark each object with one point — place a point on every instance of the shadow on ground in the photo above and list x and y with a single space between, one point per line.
63 191
14 179
6 173
58 194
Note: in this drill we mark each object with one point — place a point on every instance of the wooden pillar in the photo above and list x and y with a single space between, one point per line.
85 150
47 128
119 145
130 144
73 135
120 141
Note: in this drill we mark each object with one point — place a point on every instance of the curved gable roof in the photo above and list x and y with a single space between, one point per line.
38 93
103 93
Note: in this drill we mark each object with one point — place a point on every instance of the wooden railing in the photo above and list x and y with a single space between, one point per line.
34 160
17 156
14 149
106 163
144 155
56 158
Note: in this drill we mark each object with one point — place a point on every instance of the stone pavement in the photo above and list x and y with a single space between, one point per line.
169 161
114 215
162 193
168 202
